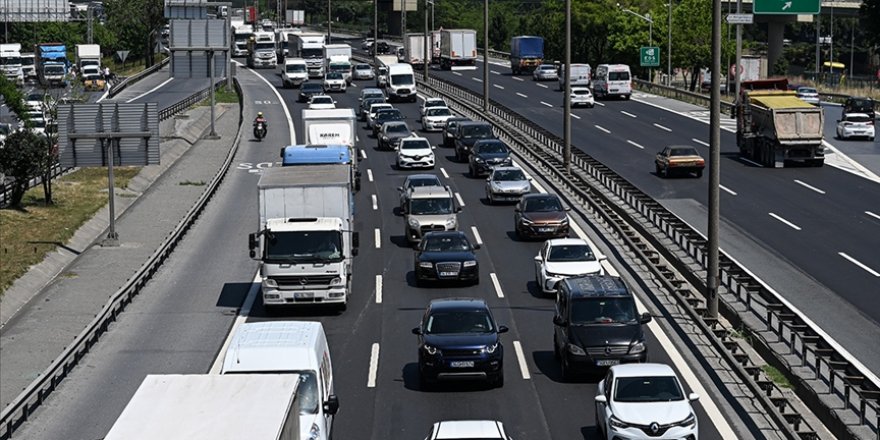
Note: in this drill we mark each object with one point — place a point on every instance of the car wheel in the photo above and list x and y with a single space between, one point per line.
565 368
498 382
424 383
476 281
471 172
657 169
699 173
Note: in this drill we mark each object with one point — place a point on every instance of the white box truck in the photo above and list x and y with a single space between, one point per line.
217 407
305 240
414 44
241 33
88 55
336 126
458 49
309 47
10 60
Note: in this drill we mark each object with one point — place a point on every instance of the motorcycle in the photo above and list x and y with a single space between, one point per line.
259 131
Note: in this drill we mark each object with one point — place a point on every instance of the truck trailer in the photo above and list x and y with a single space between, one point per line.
526 54
336 126
458 49
337 58
414 45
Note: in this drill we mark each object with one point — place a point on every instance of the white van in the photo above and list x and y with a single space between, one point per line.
612 80
290 347
401 83
580 75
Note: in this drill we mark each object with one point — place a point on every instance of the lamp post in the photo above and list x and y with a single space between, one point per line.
427 47
669 45
646 17
486 55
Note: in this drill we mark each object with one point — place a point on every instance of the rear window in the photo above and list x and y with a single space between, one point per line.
858 119
618 76
861 104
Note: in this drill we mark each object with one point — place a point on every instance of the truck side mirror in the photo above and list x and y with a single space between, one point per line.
355 240
282 151
331 406
253 243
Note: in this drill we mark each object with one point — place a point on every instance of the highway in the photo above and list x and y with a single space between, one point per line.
179 323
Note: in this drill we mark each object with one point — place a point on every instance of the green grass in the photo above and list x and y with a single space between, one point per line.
776 376
223 95
27 236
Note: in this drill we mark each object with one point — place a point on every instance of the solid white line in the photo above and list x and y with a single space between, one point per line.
635 144
873 215
105 95
375 202
575 116
703 143
477 79
374 366
370 175
477 237
495 72
860 264
792 225
283 106
521 95
599 104
496 284
662 127
456 73
150 91
808 186
629 114
239 320
498 87
601 128
378 238
548 105
363 153
459 199
542 85
729 191
378 289
517 78
521 360
443 171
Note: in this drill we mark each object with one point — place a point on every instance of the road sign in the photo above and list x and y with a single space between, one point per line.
740 18
649 57
801 7
122 54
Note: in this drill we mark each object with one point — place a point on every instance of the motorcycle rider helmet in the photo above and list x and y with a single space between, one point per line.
259 114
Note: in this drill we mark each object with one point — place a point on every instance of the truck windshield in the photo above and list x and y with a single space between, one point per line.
402 80
85 63
10 61
264 46
27 61
304 247
54 70
436 206
340 67
312 53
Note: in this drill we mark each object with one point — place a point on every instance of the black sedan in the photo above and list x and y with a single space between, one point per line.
386 115
308 90
446 256
486 154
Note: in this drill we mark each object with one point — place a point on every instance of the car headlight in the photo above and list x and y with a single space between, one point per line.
637 347
269 282
470 263
526 221
451 222
478 160
490 348
508 161
554 275
335 281
688 422
426 264
564 221
575 350
413 223
430 349
314 432
617 423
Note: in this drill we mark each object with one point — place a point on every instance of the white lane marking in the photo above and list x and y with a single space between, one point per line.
860 264
456 73
283 105
477 237
353 85
370 175
575 116
521 360
790 224
750 162
808 186
662 127
375 202
363 153
150 91
877 216
518 78
105 95
459 199
548 105
601 128
378 289
496 284
521 95
629 114
729 191
495 72
498 87
239 320
378 238
542 85
443 171
477 79
635 144
374 366
599 104
703 143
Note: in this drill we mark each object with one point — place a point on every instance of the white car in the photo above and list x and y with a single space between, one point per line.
582 96
808 94
855 125
467 429
34 102
319 102
545 72
561 258
435 118
334 82
367 44
644 401
415 152
431 102
362 71
375 109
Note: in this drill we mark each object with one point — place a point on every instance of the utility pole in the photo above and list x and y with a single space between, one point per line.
375 30
329 20
669 45
818 43
739 48
714 163
403 19
486 55
566 118
427 46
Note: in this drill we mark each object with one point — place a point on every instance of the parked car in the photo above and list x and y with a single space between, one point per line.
596 325
459 339
540 215
374 111
507 184
435 118
431 102
545 72
467 430
561 258
321 102
486 154
413 181
362 71
679 159
449 130
638 401
386 115
415 152
855 125
582 96
469 133
334 82
808 94
860 104
446 256
391 134
309 89
430 208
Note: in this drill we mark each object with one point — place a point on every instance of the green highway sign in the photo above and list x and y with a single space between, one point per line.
802 7
649 57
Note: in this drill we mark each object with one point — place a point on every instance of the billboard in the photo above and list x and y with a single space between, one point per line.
411 5
30 11
295 17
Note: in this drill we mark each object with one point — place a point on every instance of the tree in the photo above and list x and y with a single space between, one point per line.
21 158
870 20
132 21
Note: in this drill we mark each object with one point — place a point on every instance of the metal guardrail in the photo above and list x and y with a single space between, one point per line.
120 86
35 394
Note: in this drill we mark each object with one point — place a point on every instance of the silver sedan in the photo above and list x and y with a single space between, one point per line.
545 72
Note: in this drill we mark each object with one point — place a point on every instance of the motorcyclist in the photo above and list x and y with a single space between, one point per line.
258 120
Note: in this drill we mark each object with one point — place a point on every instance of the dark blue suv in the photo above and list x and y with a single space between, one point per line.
458 339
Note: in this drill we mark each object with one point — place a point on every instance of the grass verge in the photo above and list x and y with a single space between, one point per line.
26 237
776 376
223 95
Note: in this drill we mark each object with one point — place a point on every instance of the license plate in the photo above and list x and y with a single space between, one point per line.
304 295
448 274
607 362
546 229
461 364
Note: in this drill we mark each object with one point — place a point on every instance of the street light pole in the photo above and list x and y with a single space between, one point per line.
486 55
329 40
646 17
669 45
426 61
566 120
714 163
375 29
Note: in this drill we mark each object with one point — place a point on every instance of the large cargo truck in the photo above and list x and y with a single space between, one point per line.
217 407
775 127
309 47
52 64
414 45
337 58
336 126
435 47
88 55
458 49
526 54
241 34
296 155
305 240
10 61
261 50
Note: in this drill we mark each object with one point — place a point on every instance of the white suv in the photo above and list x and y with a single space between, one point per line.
468 429
415 152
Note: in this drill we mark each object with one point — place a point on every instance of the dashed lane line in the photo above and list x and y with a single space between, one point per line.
370 175
542 85
629 114
786 222
860 264
575 116
375 202
667 129
521 360
877 216
521 95
476 79
548 105
703 143
726 189
808 186
378 289
378 238
496 284
498 87
374 366
443 171
601 128
634 144
518 78
477 237
459 199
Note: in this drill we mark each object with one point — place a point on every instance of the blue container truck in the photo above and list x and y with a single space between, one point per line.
526 54
52 64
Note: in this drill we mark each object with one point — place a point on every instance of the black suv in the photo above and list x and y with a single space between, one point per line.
449 130
386 115
858 104
446 256
596 325
486 154
458 339
467 134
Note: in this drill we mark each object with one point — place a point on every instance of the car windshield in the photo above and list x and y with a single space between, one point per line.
378 108
446 243
389 114
806 90
396 128
322 100
374 95
435 206
35 97
571 252
423 181
683 152
334 75
362 67
435 103
295 68
589 311
476 131
860 118
618 76
303 247
490 148
648 389
311 88
421 144
264 46
542 204
547 68
402 80
508 175
464 321
441 111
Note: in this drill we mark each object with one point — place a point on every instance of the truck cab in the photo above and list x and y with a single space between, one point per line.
261 50
241 35
10 61
401 83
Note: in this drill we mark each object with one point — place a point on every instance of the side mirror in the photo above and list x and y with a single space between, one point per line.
601 257
693 397
488 179
567 209
558 320
601 399
538 259
331 405
355 240
253 243
354 252
417 330
645 318
360 99
400 188
517 209
503 329
458 209
433 147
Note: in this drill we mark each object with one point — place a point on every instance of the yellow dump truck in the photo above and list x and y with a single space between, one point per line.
774 127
